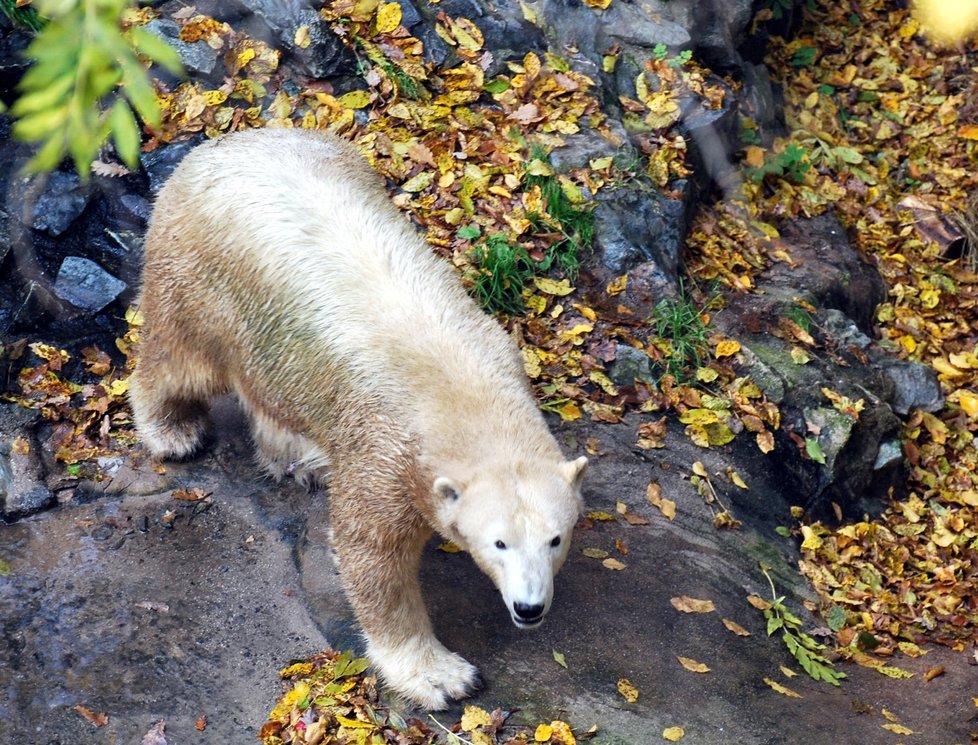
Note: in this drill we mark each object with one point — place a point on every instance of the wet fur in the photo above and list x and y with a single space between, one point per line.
276 268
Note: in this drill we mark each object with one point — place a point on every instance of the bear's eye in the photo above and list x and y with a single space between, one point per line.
500 545
555 542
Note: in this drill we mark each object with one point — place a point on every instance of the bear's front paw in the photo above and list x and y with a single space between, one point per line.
425 672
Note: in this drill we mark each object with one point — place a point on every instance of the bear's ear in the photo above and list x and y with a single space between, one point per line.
573 471
447 489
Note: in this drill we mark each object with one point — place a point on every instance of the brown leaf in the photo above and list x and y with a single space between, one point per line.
735 627
99 719
692 665
686 604
201 724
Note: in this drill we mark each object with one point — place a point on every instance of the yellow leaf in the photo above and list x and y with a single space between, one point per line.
666 506
595 553
388 17
692 665
599 4
686 604
627 690
782 689
898 729
604 382
353 723
735 627
599 164
765 441
134 317
968 402
787 672
569 412
735 477
550 286
355 99
417 183
811 542
561 733
727 348
449 548
700 470
613 564
543 733
968 131
799 356
617 285
302 39
673 734
474 717
119 387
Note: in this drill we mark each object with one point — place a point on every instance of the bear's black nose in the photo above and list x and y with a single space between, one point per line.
527 612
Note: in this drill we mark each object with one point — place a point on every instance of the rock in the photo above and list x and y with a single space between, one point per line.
507 33
198 57
860 464
136 206
718 32
324 56
630 364
59 204
640 233
829 269
711 134
4 235
578 149
22 488
915 386
159 163
87 286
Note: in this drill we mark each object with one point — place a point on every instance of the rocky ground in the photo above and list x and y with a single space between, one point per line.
122 605
145 608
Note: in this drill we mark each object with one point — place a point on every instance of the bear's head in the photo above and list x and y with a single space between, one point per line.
516 522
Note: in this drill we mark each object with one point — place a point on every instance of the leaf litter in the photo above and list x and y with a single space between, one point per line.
854 85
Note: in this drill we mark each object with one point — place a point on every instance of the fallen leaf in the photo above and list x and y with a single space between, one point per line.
474 716
201 724
933 672
559 658
692 665
687 604
898 729
613 564
666 506
784 691
735 627
595 553
628 691
787 671
99 719
673 734
543 733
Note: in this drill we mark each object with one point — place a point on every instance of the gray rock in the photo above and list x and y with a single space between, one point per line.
915 386
586 145
325 56
63 199
86 285
159 163
634 226
718 32
22 488
197 57
4 235
137 206
630 364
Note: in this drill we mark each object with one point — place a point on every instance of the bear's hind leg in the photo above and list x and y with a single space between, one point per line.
169 403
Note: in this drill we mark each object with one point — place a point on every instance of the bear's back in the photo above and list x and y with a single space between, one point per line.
283 247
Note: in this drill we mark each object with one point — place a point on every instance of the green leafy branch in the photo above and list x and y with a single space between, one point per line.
86 80
801 645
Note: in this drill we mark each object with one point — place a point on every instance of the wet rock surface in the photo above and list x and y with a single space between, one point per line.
143 607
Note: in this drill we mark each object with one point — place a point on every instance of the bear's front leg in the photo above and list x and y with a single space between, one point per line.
379 564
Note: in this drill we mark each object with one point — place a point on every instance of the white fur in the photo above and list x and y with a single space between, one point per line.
277 269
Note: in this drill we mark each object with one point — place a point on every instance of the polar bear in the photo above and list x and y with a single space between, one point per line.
276 268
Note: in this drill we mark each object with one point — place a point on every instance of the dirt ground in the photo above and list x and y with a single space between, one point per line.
129 602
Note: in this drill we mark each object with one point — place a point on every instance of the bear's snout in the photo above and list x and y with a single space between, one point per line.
528 615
